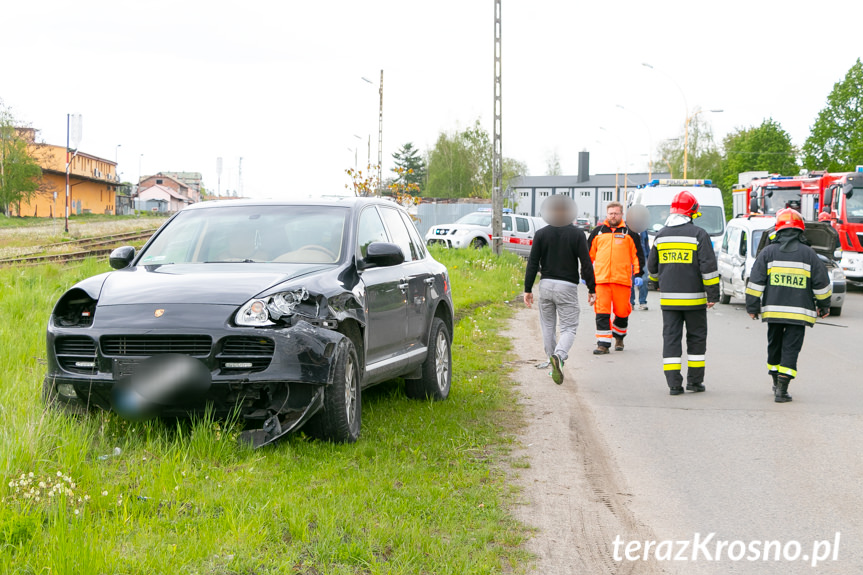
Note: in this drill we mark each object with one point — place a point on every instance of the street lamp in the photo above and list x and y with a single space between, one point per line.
625 166
649 141
117 152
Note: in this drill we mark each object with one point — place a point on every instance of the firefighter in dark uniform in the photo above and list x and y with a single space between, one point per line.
789 288
683 265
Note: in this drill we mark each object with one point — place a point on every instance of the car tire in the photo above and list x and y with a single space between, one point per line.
340 418
724 298
57 402
436 379
477 243
835 311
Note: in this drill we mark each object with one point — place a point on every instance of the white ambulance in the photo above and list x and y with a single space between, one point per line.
657 195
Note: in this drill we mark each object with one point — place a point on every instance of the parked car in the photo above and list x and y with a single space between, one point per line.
583 224
291 308
744 239
474 230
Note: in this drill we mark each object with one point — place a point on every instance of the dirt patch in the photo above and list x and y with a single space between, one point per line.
573 494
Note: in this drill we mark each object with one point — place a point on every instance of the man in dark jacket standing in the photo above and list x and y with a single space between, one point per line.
789 288
556 252
684 265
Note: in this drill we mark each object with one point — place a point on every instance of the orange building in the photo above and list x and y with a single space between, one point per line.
93 183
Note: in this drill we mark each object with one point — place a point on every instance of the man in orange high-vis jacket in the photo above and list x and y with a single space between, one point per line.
617 257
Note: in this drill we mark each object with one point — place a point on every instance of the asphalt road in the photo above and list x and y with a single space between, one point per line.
729 461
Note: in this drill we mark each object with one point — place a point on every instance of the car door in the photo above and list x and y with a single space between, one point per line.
723 259
415 278
508 237
523 235
735 262
385 307
740 268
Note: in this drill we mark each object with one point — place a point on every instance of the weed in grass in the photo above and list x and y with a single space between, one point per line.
423 491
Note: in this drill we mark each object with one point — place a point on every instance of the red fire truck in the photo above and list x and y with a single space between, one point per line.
767 195
841 199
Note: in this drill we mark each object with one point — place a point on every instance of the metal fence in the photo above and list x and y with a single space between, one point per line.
430 215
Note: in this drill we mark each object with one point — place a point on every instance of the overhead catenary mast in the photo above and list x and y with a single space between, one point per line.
497 145
381 132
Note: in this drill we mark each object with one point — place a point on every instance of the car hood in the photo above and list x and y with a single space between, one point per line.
823 238
197 283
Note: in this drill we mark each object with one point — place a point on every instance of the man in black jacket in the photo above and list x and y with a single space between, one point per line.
789 287
556 252
684 265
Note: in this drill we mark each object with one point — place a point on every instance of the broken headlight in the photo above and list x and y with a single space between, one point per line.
265 311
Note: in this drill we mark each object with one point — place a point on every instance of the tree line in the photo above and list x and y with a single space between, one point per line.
459 165
835 143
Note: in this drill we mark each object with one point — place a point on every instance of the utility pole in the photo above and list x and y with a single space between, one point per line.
381 133
240 178
219 176
73 131
497 146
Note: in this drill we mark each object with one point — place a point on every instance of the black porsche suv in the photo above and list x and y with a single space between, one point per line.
281 312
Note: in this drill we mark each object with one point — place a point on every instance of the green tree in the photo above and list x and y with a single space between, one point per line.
450 174
460 165
552 164
704 159
20 174
835 142
766 147
410 166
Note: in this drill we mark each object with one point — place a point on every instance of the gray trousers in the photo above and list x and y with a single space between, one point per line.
558 300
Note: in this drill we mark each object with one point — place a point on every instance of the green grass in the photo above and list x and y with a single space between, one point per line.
28 221
423 491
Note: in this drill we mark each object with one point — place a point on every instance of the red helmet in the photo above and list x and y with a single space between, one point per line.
684 203
788 218
824 217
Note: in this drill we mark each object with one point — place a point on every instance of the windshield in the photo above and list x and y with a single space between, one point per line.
780 198
854 206
251 234
476 219
712 219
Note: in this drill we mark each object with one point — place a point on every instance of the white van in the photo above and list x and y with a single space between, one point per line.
745 237
736 254
657 196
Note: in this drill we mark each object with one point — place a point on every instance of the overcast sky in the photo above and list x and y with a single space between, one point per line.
278 83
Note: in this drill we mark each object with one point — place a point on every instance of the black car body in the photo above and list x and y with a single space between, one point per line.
292 307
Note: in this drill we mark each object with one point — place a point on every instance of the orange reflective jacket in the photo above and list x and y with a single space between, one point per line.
616 254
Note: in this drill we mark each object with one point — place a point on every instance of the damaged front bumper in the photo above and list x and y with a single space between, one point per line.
272 378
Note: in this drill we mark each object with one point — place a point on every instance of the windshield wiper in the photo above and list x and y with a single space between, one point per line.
245 261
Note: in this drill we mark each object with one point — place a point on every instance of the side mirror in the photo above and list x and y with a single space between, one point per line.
121 257
382 254
753 205
828 198
753 194
849 191
827 209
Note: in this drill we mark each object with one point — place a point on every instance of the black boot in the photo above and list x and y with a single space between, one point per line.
781 395
774 375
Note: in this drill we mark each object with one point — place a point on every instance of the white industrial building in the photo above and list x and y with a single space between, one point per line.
590 192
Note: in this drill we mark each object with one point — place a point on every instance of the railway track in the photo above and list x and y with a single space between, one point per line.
87 247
